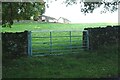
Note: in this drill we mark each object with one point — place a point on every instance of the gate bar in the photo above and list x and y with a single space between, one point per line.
50 42
70 41
29 43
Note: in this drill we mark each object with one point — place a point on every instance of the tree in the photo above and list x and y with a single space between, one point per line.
88 6
20 11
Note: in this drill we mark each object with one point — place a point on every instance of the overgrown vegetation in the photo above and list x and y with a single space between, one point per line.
80 65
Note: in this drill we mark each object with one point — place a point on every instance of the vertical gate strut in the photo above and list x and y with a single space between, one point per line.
50 42
29 43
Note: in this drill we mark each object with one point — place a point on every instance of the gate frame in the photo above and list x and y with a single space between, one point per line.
29 43
30 39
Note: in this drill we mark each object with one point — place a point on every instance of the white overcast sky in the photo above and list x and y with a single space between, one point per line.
57 9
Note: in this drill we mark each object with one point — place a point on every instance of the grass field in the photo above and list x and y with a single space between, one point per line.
18 27
84 64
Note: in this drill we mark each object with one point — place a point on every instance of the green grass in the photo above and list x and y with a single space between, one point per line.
97 64
83 64
18 27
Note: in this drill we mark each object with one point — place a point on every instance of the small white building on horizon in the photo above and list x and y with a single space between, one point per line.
63 20
45 18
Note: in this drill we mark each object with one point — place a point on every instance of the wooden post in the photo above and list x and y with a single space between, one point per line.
29 43
50 42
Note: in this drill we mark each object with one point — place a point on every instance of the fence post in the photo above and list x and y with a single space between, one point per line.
70 41
29 43
87 35
50 42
